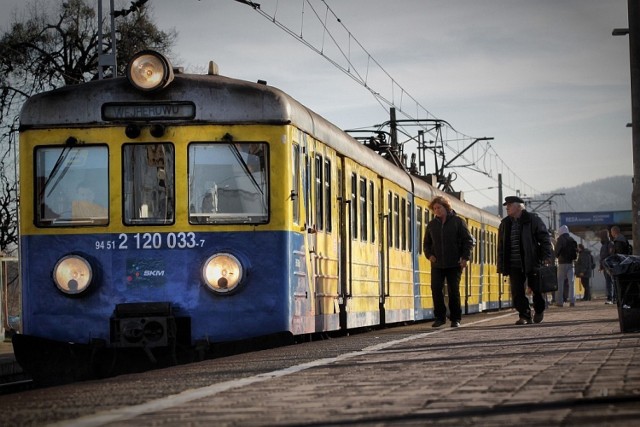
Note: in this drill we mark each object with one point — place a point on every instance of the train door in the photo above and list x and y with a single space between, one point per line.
318 267
344 248
325 252
359 246
383 251
397 275
481 247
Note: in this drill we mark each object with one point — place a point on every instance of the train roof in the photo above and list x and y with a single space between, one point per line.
218 100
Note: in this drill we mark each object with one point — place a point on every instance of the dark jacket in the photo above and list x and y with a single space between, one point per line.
620 245
606 250
448 242
585 263
562 244
535 243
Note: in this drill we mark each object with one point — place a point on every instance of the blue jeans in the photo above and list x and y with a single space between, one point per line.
611 289
566 271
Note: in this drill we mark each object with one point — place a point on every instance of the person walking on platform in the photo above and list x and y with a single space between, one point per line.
584 269
566 251
447 244
524 245
606 250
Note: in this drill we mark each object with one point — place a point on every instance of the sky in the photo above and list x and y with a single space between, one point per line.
544 78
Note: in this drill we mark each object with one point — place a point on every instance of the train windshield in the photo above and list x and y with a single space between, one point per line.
228 183
148 184
72 186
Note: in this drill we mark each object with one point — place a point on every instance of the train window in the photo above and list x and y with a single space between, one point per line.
390 219
148 183
354 206
408 221
419 228
72 186
476 249
372 206
396 220
485 245
228 183
403 220
307 190
364 220
327 194
494 253
295 195
319 193
426 221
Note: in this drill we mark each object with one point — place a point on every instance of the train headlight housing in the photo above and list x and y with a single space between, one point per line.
72 274
149 70
222 273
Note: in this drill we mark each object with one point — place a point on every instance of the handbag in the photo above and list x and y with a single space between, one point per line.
546 279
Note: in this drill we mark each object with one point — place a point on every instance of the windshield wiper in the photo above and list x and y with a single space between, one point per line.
247 171
61 159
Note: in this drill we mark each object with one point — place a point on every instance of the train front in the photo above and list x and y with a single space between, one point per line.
146 213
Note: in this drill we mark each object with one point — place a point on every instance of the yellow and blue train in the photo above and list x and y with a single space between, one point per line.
164 210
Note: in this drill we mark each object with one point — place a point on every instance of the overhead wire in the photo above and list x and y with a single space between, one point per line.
397 92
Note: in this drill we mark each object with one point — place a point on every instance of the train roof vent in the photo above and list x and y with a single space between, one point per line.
213 69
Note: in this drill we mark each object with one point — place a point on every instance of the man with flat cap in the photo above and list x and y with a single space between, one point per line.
524 244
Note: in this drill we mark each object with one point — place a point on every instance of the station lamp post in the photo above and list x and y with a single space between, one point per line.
634 60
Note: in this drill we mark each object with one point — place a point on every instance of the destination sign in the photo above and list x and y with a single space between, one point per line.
149 111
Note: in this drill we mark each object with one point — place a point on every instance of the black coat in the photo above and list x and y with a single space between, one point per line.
585 263
560 251
535 243
448 242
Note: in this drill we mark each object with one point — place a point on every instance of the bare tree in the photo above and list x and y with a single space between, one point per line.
55 47
8 206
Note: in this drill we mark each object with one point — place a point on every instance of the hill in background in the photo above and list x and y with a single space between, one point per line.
607 194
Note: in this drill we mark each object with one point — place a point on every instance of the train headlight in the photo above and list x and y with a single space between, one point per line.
222 273
149 70
72 274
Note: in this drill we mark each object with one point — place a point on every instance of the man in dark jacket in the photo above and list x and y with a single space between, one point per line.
524 245
447 244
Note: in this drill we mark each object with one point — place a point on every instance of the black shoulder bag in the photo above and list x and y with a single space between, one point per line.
546 279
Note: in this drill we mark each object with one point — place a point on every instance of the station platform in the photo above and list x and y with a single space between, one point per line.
5 348
10 370
574 368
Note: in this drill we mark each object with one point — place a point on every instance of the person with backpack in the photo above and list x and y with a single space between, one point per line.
566 251
620 243
584 270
